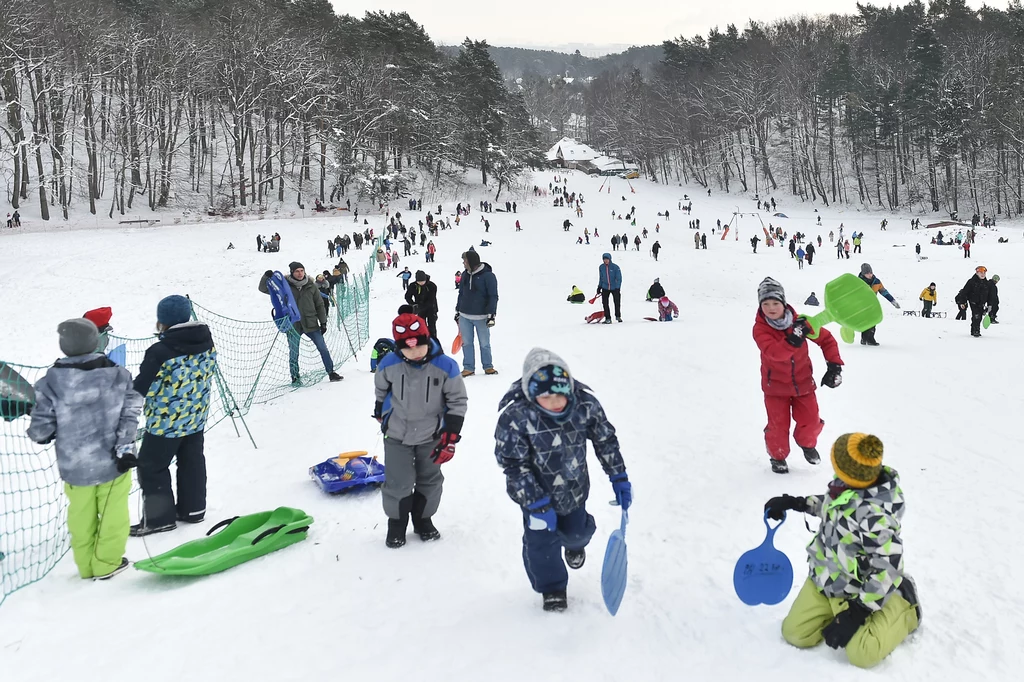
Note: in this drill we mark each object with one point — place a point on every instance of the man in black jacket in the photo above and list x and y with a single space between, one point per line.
423 297
976 293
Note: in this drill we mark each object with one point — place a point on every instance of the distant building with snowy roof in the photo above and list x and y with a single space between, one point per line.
568 153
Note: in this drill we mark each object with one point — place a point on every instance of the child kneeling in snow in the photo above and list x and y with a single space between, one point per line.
667 310
787 377
541 443
856 596
88 404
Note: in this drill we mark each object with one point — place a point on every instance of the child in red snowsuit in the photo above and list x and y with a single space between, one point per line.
787 377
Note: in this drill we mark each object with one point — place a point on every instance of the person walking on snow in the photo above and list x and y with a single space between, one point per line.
928 296
420 403
867 338
993 300
857 595
696 240
88 404
422 296
787 378
312 321
800 253
545 421
475 311
406 276
175 378
609 283
977 293
655 248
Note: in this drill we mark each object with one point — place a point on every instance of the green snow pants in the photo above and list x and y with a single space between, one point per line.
98 524
876 639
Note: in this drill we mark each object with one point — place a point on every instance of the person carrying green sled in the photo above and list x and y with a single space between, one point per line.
857 596
87 403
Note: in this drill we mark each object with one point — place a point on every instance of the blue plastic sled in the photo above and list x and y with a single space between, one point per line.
347 472
763 575
613 572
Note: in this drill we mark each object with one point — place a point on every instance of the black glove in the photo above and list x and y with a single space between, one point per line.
844 626
777 506
456 316
834 376
323 328
268 274
125 458
490 320
796 335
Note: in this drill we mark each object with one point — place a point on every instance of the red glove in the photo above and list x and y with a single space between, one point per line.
445 449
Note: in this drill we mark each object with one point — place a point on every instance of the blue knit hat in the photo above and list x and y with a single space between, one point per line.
173 310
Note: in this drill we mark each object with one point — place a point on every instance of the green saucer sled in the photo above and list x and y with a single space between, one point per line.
243 538
851 302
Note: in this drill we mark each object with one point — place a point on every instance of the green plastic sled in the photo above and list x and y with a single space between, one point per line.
986 322
852 303
243 538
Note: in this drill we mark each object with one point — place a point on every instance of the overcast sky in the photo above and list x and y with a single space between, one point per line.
599 22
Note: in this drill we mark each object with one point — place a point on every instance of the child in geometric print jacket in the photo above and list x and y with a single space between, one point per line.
856 596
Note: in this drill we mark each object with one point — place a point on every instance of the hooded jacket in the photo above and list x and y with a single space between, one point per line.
478 293
544 456
423 297
175 377
857 552
976 291
308 299
609 276
425 398
89 402
786 370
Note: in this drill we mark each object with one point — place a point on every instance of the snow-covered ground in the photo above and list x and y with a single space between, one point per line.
685 398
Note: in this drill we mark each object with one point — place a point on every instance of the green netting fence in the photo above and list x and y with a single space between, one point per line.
253 367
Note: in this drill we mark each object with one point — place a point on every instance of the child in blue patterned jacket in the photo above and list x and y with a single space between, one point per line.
541 443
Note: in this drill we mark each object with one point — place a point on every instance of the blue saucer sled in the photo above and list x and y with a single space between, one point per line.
348 472
764 575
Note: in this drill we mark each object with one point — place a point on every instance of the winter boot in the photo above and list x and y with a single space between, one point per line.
334 376
618 319
397 527
868 338
555 601
490 370
422 525
122 567
779 466
192 518
575 558
468 373
811 455
141 530
607 320
909 592
976 335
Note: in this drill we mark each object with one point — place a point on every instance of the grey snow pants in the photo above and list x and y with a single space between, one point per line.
408 470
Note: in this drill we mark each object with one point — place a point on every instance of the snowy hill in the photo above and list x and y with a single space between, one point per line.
685 398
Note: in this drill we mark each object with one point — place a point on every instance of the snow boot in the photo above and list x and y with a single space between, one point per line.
976 335
909 592
618 319
397 527
575 558
468 373
122 567
192 518
868 338
779 466
607 320
490 370
811 455
141 530
555 601
334 376
422 525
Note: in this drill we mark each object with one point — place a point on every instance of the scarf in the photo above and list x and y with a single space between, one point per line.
783 323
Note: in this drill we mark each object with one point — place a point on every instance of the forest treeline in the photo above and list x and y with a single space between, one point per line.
121 104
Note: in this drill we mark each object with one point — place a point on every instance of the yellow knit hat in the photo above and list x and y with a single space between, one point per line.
857 459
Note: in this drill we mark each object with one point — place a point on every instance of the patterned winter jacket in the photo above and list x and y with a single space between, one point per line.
175 377
857 553
543 456
88 404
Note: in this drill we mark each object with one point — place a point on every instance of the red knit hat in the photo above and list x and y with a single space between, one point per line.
410 330
99 317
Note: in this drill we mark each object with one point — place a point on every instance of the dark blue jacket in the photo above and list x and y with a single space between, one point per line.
478 294
609 276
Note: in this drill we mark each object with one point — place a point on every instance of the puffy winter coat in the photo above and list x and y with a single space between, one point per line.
543 456
89 404
175 377
478 293
308 299
928 294
423 297
609 276
425 397
857 552
976 292
655 292
786 370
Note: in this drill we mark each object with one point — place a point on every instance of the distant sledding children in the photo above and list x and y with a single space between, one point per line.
428 406
541 438
667 310
787 377
857 596
88 404
576 296
812 300
406 276
867 337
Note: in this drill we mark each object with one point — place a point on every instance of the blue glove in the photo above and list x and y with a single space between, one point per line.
542 515
623 490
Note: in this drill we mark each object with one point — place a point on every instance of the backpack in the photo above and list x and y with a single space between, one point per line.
380 351
283 301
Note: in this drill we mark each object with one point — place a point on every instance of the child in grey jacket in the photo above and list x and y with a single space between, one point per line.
87 403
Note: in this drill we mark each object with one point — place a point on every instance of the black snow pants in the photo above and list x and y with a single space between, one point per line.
155 456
